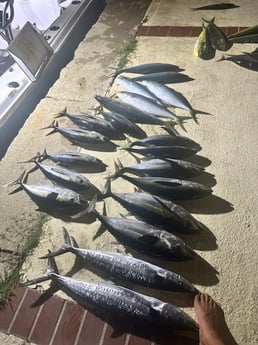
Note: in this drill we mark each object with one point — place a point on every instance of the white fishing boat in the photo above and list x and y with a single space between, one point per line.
37 39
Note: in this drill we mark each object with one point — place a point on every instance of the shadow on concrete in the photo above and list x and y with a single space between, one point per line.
209 205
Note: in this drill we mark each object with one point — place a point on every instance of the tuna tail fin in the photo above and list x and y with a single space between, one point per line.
118 168
65 247
169 127
61 113
21 179
107 189
53 125
51 268
193 113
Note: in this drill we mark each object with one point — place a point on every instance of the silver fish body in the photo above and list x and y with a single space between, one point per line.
164 168
125 303
157 211
176 152
165 77
65 177
147 238
49 197
132 86
150 68
166 140
91 123
79 135
147 105
126 268
167 95
75 159
123 124
130 112
170 188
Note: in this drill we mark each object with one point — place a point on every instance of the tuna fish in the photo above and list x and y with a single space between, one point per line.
248 61
79 136
166 140
157 211
49 197
77 160
66 178
124 125
120 302
165 77
161 167
122 268
150 68
147 105
92 123
130 112
176 152
145 238
170 97
170 188
132 86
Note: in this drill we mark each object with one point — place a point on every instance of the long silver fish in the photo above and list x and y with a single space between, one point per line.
91 123
78 135
170 97
130 112
147 68
120 302
77 160
161 167
157 211
126 268
66 177
123 124
148 106
144 237
175 152
170 188
248 61
49 197
132 86
165 77
166 140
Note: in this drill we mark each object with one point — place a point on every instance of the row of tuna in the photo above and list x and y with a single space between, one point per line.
164 176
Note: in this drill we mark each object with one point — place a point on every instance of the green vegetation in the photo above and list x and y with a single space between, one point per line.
12 278
125 53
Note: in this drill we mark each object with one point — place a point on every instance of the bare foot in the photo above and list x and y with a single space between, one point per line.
213 327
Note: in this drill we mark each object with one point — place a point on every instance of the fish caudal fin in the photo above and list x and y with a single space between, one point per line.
65 247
